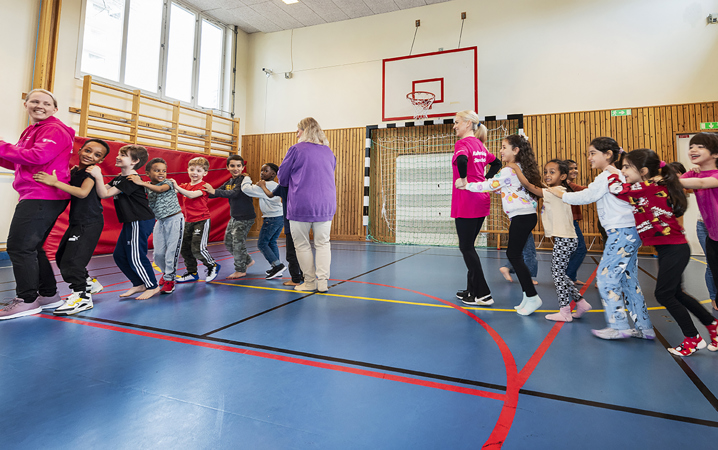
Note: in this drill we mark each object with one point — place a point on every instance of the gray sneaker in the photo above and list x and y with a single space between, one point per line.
50 302
18 308
649 334
612 333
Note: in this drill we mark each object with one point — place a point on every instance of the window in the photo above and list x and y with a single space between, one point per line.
167 49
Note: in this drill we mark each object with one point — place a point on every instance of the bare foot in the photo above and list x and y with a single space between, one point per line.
250 264
291 283
507 275
148 293
579 283
713 302
134 290
236 275
535 282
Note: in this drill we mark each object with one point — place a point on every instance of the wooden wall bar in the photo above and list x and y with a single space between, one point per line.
348 146
567 135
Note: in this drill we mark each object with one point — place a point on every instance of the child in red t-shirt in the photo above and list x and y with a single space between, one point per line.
196 228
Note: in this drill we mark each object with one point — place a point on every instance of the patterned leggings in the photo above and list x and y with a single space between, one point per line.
563 248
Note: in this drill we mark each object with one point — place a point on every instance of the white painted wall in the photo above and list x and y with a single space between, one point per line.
534 57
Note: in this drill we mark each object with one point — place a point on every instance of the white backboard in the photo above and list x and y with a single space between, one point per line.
450 75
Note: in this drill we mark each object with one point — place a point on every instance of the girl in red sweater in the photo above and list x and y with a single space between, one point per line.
653 189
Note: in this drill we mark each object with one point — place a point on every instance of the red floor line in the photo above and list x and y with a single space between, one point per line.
289 359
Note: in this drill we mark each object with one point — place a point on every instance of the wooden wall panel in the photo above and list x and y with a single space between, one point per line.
348 146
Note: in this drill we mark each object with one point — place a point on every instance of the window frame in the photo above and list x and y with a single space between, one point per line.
228 43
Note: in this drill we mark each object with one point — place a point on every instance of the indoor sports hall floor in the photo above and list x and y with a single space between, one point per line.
387 359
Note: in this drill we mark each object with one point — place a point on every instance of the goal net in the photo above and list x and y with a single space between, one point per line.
411 184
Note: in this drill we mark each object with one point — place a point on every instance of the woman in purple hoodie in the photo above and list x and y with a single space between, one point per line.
308 172
44 146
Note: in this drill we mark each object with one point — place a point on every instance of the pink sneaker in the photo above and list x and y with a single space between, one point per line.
50 302
582 306
18 308
563 315
713 331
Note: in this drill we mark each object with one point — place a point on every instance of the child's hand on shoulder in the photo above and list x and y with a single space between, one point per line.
514 166
135 178
95 172
696 169
261 183
173 181
46 178
555 190
208 188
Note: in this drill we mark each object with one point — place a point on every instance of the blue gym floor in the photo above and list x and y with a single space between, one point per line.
387 359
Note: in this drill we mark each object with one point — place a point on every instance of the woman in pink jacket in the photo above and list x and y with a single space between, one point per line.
46 145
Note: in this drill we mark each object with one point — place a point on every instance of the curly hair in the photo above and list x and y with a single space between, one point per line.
526 159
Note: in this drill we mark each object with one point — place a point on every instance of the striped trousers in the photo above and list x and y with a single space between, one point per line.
131 253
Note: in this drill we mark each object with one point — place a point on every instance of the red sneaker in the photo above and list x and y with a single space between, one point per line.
689 346
168 287
713 331
162 280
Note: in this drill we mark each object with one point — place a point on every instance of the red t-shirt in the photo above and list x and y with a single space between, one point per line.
195 209
464 203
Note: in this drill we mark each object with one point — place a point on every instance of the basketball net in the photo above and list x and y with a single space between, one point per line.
421 101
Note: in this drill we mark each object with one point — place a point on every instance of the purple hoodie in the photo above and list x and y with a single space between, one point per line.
44 146
308 171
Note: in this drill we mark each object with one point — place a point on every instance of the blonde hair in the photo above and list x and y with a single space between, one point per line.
199 161
480 131
54 100
312 132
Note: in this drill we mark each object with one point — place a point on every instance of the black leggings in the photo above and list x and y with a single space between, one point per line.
672 260
519 232
467 230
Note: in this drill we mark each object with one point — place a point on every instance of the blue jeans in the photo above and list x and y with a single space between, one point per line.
529 255
617 276
702 232
267 242
577 257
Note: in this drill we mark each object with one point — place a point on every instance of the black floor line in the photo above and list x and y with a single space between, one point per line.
682 364
301 298
416 373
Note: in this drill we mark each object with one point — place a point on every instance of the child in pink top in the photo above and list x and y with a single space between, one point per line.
470 208
703 151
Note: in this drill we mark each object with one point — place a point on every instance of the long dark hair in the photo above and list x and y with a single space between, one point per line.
526 159
604 144
563 169
649 159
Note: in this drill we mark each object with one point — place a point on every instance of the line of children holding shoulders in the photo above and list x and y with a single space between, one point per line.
637 205
152 207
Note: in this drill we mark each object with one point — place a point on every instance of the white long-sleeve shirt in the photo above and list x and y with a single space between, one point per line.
514 197
612 212
270 207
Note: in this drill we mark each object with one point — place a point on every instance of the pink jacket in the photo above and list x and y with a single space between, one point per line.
44 146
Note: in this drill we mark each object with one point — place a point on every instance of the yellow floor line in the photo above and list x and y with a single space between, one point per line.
386 300
702 262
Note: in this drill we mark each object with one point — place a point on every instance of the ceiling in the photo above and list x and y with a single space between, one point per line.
268 16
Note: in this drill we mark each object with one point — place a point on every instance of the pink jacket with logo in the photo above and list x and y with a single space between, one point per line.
43 147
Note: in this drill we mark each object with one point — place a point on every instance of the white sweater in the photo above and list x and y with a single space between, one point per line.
514 197
270 207
612 212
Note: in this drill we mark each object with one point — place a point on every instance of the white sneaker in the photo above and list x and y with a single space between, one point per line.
322 286
306 287
74 304
94 285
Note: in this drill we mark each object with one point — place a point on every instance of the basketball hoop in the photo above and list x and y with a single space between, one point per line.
422 101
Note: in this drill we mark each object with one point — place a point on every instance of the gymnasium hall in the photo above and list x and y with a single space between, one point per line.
389 342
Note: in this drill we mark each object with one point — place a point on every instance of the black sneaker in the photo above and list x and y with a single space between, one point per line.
486 300
462 294
275 272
